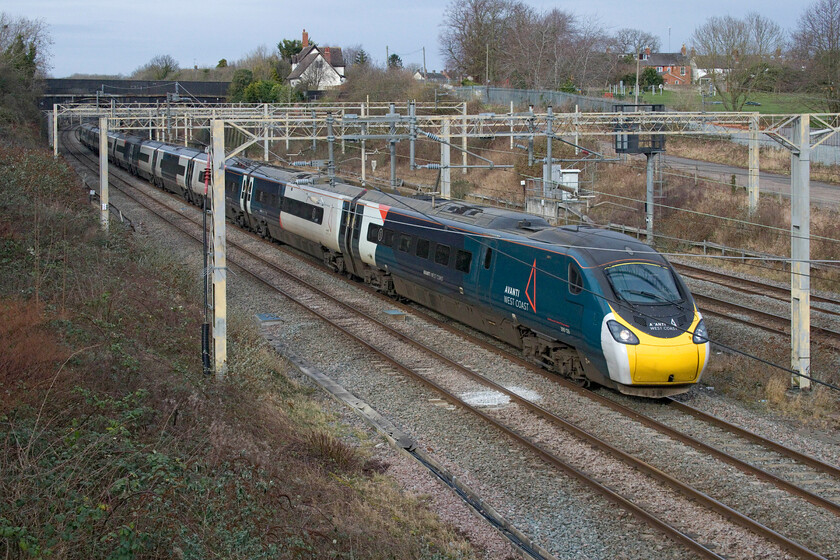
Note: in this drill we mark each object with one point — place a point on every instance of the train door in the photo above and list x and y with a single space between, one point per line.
245 194
487 261
574 291
351 227
155 171
188 179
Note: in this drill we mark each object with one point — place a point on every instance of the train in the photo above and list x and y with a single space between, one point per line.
593 305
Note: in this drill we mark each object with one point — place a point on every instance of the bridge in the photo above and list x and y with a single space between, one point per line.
72 90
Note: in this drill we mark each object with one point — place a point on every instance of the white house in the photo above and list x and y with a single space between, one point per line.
316 68
433 77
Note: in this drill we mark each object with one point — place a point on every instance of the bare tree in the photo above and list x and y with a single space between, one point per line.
473 34
817 41
355 54
314 76
266 64
736 54
587 54
33 33
24 47
530 54
160 67
632 41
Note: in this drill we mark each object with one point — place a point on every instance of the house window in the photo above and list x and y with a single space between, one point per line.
659 69
682 70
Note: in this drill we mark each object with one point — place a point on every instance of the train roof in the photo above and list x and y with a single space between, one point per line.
600 246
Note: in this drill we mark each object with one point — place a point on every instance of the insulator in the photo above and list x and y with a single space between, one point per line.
434 137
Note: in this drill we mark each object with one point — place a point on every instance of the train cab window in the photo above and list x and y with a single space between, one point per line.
642 283
442 255
375 233
575 279
422 249
462 261
405 242
488 258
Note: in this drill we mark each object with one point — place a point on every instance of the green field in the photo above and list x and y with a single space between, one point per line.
769 103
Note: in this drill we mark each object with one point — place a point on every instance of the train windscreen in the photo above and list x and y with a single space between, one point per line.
643 283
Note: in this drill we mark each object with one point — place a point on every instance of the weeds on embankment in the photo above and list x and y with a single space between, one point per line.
113 444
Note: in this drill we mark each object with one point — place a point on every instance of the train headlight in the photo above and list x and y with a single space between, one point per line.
621 333
701 335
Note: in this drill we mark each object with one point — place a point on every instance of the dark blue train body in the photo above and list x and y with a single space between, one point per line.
591 304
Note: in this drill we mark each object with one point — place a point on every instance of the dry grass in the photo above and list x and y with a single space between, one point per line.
29 350
729 153
762 387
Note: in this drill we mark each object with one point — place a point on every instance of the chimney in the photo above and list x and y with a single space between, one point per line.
647 51
305 40
327 55
682 50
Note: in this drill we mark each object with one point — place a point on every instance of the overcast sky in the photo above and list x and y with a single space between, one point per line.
118 36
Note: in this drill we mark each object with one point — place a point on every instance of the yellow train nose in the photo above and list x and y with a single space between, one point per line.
653 360
673 360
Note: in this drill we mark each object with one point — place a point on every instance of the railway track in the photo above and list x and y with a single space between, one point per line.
536 428
752 287
751 315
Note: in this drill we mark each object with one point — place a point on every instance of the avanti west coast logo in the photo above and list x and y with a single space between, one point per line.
513 296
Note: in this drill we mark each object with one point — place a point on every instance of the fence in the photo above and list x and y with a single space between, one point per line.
537 97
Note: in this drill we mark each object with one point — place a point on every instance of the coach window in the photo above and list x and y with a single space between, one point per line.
405 242
442 255
488 257
575 279
388 237
462 261
422 249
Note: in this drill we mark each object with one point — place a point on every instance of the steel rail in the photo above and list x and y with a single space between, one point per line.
635 510
762 288
628 459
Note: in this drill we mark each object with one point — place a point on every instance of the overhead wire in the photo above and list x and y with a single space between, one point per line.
478 237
